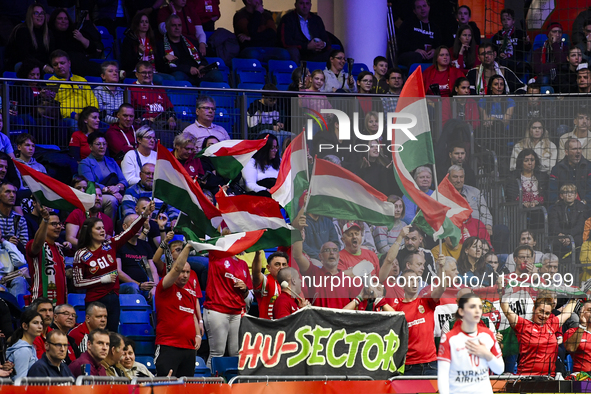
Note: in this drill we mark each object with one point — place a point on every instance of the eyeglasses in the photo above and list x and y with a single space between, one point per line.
56 224
208 108
339 57
39 13
145 73
149 137
328 250
487 53
67 313
59 345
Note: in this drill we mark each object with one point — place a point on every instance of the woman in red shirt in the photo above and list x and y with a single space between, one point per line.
465 51
88 122
440 78
95 263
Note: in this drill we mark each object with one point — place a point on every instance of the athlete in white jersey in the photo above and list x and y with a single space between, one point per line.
467 352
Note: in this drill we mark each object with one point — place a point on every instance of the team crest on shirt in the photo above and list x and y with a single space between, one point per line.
421 309
227 264
194 283
189 19
443 338
178 295
93 267
192 169
87 256
106 247
110 258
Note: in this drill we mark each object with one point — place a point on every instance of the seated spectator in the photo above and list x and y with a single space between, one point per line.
583 78
581 132
77 217
64 320
204 126
567 216
52 362
190 23
132 367
463 16
25 146
95 319
457 157
289 301
533 181
104 172
177 56
380 68
423 177
573 168
152 105
316 84
134 160
72 98
139 45
465 50
121 135
585 43
297 83
88 122
44 307
577 340
566 80
98 350
469 256
184 151
21 352
31 39
303 34
421 36
319 230
352 252
413 245
512 43
449 250
43 251
335 78
441 74
109 98
260 173
376 167
12 226
111 363
526 238
365 81
548 59
466 107
5 144
264 115
8 171
79 182
536 138
474 196
480 75
80 43
13 270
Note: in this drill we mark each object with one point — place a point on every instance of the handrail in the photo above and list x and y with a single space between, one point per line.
492 377
83 379
6 382
44 381
203 379
154 379
284 378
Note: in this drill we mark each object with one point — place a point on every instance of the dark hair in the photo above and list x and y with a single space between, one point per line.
480 267
84 115
27 66
414 3
457 84
54 15
395 199
462 262
58 53
535 85
23 137
524 247
379 59
490 45
92 305
77 179
85 238
521 157
269 86
49 336
144 64
277 254
206 140
95 136
406 257
543 300
490 83
413 228
438 51
364 74
261 158
470 56
333 53
462 301
455 144
393 70
135 26
26 317
115 340
507 11
124 105
129 342
466 7
98 331
40 300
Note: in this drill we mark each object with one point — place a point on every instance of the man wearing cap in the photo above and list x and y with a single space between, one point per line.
353 253
548 59
584 78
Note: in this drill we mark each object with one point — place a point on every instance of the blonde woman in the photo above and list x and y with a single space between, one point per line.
536 138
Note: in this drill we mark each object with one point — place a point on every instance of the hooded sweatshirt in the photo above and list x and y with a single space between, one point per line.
23 355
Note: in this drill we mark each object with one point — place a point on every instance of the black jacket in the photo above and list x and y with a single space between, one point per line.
580 176
417 34
185 59
43 369
568 220
290 32
512 189
515 84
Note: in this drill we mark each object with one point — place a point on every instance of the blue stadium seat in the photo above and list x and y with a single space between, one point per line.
251 86
176 83
148 362
133 302
9 74
104 32
129 81
225 70
217 85
281 78
186 114
250 77
76 300
178 99
201 367
282 87
143 331
249 65
316 66
414 66
222 100
93 79
109 50
285 66
226 367
539 41
357 68
138 317
119 32
547 90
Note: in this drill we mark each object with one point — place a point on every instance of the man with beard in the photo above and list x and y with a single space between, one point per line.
78 216
413 244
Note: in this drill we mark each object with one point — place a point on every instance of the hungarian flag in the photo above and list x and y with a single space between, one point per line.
459 212
416 152
293 177
338 193
228 245
174 186
52 193
248 213
229 157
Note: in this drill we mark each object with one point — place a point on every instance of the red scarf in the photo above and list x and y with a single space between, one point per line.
148 53
192 50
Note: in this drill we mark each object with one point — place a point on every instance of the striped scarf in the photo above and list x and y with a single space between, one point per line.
192 50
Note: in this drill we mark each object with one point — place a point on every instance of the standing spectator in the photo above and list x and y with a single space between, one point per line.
44 307
548 59
574 168
260 173
64 320
98 349
25 146
12 226
567 216
380 68
184 151
13 270
111 363
413 246
109 98
352 253
267 287
474 196
511 42
385 238
191 25
303 34
132 367
88 122
465 50
121 135
52 362
480 75
95 267
421 36
463 16
581 132
577 339
135 160
104 172
566 80
208 12
204 126
289 301
536 138
95 318
46 261
21 351
533 181
335 78
441 74
177 331
318 231
77 217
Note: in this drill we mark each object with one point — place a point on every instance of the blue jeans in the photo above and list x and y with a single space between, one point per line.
424 369
17 286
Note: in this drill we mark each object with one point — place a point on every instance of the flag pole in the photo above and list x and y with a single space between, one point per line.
310 188
305 148
437 199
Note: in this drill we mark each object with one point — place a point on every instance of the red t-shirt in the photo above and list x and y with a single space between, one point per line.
284 305
90 266
321 289
193 166
538 346
80 140
80 335
189 19
120 140
221 295
348 260
175 325
581 359
266 293
153 102
39 344
48 266
420 315
77 217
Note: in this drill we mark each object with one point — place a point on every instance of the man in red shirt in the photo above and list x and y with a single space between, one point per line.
419 309
289 301
578 340
353 253
44 307
96 319
98 348
177 329
121 135
266 287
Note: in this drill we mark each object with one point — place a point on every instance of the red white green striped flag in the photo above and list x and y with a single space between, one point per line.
416 153
54 194
293 177
248 213
228 245
229 157
338 193
173 185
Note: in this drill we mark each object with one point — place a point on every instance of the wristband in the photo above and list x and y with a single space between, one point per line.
198 336
356 301
359 299
45 220
164 245
582 327
200 321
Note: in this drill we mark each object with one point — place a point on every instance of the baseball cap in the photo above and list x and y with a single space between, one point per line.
350 225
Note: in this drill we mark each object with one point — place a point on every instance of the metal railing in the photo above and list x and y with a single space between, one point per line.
26 381
83 380
288 378
6 382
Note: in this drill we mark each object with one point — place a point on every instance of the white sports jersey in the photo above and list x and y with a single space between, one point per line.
468 373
